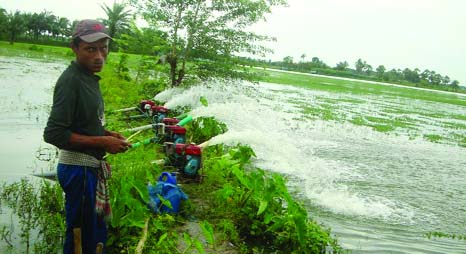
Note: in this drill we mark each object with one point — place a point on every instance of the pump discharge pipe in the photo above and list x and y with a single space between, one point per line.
183 122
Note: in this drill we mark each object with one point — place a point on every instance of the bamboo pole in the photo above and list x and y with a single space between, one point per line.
143 239
126 109
141 128
77 241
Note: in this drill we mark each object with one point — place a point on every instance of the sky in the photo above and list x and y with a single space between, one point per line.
424 34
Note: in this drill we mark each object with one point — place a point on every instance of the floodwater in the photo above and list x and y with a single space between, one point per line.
26 89
379 192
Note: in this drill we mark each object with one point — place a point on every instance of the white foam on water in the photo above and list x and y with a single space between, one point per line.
281 143
343 168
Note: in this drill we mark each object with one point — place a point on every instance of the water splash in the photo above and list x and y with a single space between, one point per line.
343 168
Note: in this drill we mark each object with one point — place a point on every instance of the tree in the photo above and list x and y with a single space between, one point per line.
363 67
425 75
445 80
367 69
435 78
380 71
303 56
342 66
64 27
3 21
15 25
144 41
455 85
393 75
288 61
207 34
118 19
359 65
38 24
52 25
411 76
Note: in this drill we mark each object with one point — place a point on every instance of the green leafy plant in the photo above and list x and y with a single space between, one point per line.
192 242
6 236
34 47
204 101
39 209
263 211
50 216
208 232
445 235
122 69
22 198
204 128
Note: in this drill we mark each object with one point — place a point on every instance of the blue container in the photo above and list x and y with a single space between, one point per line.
168 178
167 188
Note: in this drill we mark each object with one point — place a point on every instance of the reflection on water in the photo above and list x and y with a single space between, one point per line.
380 193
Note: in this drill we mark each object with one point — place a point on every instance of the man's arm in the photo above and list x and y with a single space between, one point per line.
109 143
57 132
114 134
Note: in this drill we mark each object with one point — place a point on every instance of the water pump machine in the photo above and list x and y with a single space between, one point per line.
187 158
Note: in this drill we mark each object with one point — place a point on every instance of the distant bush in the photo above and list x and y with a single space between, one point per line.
34 47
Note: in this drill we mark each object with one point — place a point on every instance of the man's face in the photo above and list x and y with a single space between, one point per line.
92 55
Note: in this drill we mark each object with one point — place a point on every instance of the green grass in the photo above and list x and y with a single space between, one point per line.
54 53
45 53
383 115
433 137
362 88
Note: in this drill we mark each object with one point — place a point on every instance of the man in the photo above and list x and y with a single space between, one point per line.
76 127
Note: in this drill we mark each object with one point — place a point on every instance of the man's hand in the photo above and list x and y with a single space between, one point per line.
113 144
115 134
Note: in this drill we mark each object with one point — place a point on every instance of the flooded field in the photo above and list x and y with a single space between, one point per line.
26 88
380 192
25 97
380 169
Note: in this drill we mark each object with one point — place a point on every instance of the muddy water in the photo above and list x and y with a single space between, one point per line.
26 88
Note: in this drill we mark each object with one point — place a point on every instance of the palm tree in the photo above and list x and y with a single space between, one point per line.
15 25
39 23
118 19
64 27
303 56
52 25
3 20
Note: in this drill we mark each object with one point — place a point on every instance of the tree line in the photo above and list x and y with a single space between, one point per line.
196 39
33 26
47 28
200 40
363 70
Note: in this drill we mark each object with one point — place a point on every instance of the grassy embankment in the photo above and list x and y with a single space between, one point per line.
235 203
